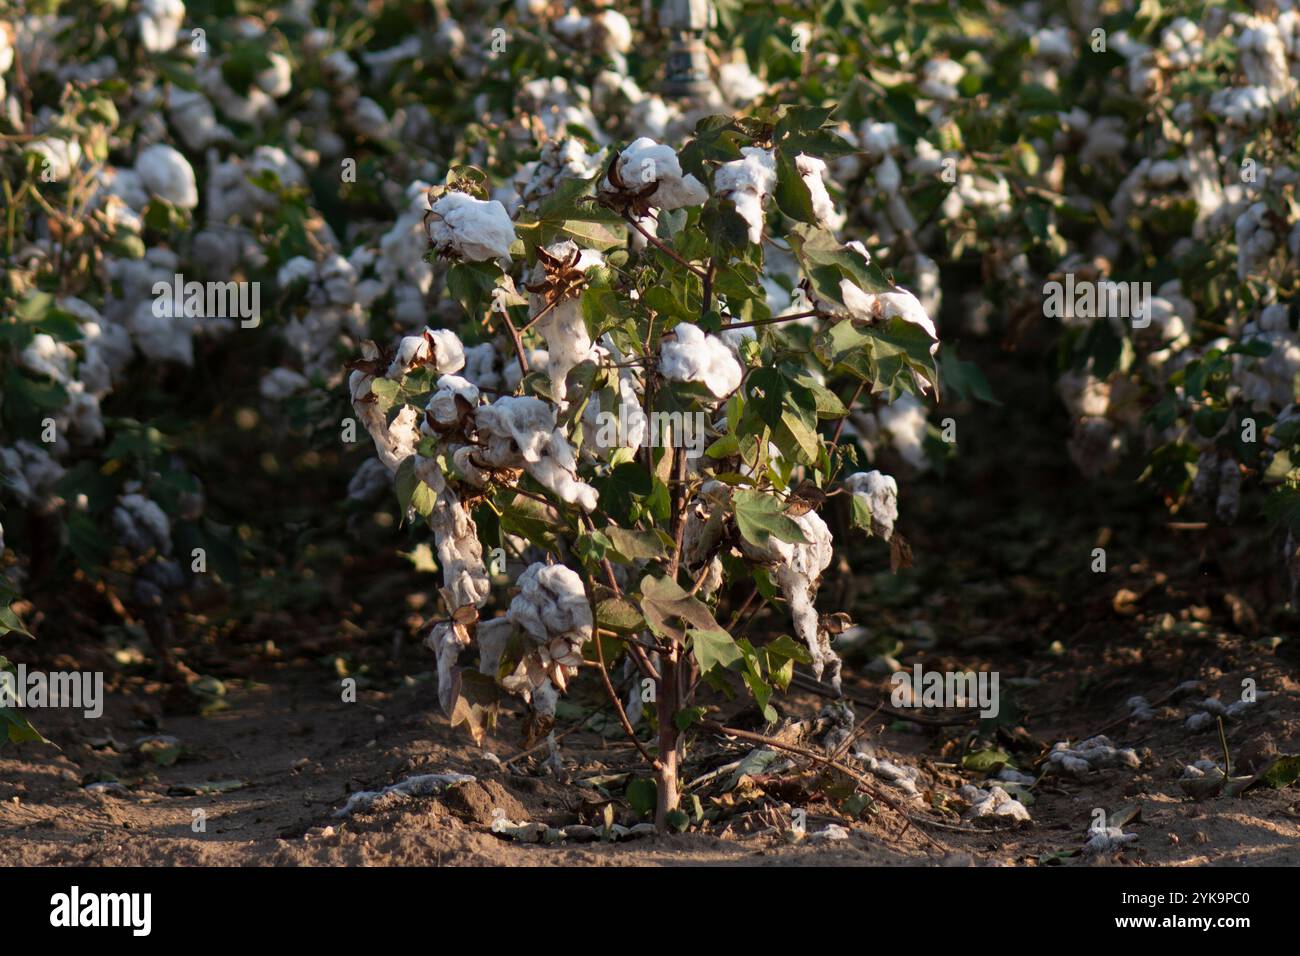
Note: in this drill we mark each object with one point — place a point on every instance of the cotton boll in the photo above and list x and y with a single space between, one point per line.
168 175
611 33
644 162
797 570
464 576
371 481
280 383
939 79
993 802
1255 240
439 348
162 338
563 326
194 120
813 173
560 159
521 433
882 306
879 493
482 365
748 182
906 423
85 419
277 79
738 84
29 472
888 176
1243 106
141 526
694 356
1095 753
158 22
1103 840
59 157
470 228
45 355
552 608
454 397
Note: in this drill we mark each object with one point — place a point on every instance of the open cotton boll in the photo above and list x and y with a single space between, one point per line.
84 418
159 21
168 175
439 348
524 420
460 553
880 306
521 433
738 84
370 481
162 338
645 162
879 493
696 357
993 802
482 365
141 526
280 383
939 79
454 397
469 228
30 473
59 157
797 569
552 608
814 174
277 79
45 355
567 344
748 182
563 326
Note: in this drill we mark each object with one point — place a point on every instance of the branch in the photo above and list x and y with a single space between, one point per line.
811 313
862 781
667 250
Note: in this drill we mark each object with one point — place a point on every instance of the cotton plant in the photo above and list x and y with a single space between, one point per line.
616 294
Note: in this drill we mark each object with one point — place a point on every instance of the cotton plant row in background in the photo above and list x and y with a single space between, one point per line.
981 149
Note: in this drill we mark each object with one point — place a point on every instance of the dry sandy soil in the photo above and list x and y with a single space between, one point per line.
1002 581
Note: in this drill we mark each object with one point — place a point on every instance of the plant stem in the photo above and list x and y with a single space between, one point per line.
667 250
811 313
667 796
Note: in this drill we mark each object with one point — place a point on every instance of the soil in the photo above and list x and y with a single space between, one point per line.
1003 580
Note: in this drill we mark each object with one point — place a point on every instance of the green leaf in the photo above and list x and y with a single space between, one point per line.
10 622
787 648
18 729
760 516
636 545
618 614
726 229
982 761
620 489
642 795
792 195
714 649
1283 772
663 600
